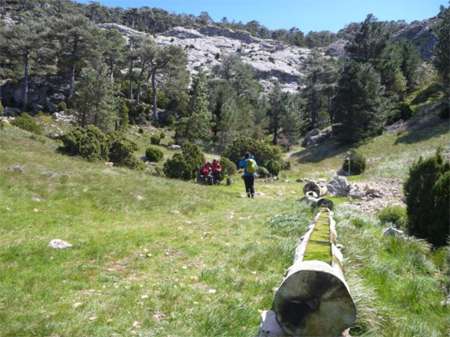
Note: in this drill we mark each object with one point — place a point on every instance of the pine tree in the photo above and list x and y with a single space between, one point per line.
197 126
290 120
22 44
77 45
411 61
94 98
275 112
358 102
369 41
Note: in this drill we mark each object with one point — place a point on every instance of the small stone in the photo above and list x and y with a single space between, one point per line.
59 244
17 169
212 291
391 231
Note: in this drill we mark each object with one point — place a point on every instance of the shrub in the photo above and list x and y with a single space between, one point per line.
427 199
354 164
89 143
186 164
27 123
274 167
193 156
162 135
2 109
395 215
262 151
228 167
121 151
178 168
62 106
262 172
155 140
154 154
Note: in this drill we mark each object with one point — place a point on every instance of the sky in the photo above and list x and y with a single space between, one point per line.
308 15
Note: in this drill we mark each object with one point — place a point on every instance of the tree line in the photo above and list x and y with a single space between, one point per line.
113 81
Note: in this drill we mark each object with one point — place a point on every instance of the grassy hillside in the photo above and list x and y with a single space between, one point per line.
159 257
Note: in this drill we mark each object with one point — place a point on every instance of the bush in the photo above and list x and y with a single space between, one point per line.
121 151
395 215
2 109
193 156
62 106
262 151
162 135
27 123
228 167
89 143
354 164
155 140
186 164
262 172
178 168
427 198
274 167
154 154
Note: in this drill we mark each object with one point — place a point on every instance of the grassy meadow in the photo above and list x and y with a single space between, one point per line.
159 257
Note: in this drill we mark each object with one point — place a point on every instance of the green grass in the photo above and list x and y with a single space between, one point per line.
397 288
151 256
159 257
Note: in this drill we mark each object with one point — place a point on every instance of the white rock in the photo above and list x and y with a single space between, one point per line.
391 231
59 244
338 186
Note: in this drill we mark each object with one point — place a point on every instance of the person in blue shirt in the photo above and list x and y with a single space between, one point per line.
248 164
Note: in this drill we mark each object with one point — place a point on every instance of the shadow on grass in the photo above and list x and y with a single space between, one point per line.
320 152
430 129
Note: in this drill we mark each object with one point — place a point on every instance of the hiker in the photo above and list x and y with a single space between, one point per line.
216 169
249 165
206 173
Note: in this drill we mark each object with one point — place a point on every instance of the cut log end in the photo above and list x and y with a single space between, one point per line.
314 301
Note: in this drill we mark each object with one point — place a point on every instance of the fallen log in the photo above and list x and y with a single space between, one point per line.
314 299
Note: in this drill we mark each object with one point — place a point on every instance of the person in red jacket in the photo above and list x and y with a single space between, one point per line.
216 171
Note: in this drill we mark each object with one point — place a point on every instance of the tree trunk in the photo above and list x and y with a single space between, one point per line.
130 84
275 137
26 79
72 81
154 96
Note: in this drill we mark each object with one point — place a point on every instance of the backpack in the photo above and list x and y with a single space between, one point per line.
251 166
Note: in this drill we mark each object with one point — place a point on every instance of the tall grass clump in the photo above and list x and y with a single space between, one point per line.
400 277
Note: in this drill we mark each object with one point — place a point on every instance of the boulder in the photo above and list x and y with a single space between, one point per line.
174 147
338 186
316 137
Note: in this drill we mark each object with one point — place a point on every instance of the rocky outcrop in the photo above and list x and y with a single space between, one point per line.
316 137
421 34
45 93
208 46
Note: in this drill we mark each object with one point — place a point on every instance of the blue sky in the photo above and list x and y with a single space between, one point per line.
306 14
